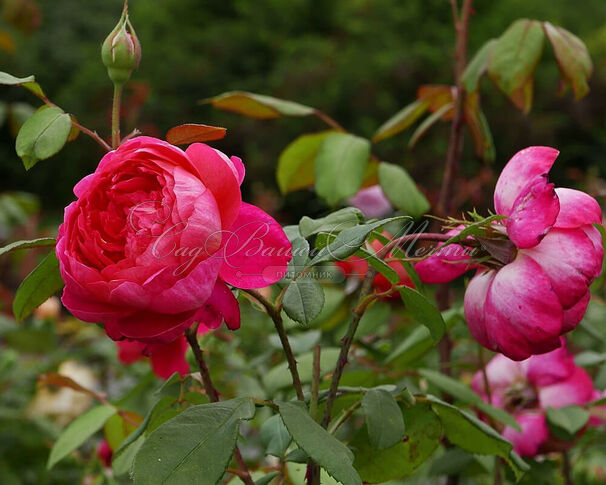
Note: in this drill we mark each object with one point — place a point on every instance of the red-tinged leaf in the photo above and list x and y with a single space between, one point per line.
75 131
479 129
59 380
428 122
477 67
437 95
192 133
514 58
258 105
371 175
572 56
400 121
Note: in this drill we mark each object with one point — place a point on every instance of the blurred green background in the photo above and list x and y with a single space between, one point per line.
358 60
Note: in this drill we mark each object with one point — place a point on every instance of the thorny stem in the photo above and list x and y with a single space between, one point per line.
346 345
276 317
313 470
116 115
345 416
191 334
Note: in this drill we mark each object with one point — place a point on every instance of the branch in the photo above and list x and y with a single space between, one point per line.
276 316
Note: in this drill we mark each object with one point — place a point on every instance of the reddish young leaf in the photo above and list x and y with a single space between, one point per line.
437 95
192 133
59 380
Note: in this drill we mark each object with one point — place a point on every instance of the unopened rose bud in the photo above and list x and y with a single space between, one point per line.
121 51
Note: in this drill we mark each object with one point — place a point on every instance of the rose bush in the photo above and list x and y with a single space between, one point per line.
526 389
154 236
521 306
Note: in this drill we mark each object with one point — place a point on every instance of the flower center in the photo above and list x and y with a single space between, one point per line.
520 395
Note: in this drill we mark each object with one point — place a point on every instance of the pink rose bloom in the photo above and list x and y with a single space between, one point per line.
521 306
372 202
526 389
154 236
165 359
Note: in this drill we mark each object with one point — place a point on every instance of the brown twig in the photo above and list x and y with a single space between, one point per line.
276 317
328 120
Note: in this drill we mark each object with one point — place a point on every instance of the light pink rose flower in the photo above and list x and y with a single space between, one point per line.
542 292
527 388
155 235
372 202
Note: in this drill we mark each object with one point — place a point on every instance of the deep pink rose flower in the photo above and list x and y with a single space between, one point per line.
522 308
526 389
165 359
155 235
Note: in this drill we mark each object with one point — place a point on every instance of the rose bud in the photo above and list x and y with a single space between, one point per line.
121 51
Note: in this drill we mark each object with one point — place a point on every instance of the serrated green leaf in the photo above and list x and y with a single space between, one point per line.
43 282
401 190
424 312
274 436
258 105
334 222
42 136
303 300
193 447
384 419
340 166
401 120
423 433
322 447
78 431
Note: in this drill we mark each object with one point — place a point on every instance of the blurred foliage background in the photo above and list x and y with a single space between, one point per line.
358 60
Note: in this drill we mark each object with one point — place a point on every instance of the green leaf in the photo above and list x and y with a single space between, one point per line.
258 105
33 243
423 435
373 318
300 255
42 135
340 165
468 432
463 393
28 82
383 419
589 358
424 312
274 436
514 58
477 67
401 120
303 300
296 163
349 241
194 447
572 56
117 429
332 223
479 129
78 431
322 447
279 377
419 341
44 281
401 190
567 421
428 122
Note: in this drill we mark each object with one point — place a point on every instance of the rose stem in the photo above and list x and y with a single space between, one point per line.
116 115
276 317
313 470
191 334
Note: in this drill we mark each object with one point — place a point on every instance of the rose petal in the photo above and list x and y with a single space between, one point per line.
220 178
501 372
523 167
534 433
130 351
568 258
256 251
574 314
546 369
474 302
577 209
576 390
166 359
523 314
372 202
149 327
533 213
222 305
